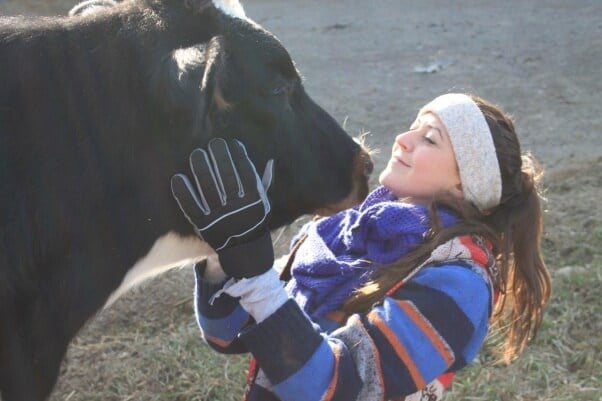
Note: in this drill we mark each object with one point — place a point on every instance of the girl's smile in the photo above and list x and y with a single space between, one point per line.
398 159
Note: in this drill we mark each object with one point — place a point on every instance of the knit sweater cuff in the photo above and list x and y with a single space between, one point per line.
204 290
283 342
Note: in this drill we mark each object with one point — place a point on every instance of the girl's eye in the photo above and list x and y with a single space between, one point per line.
428 138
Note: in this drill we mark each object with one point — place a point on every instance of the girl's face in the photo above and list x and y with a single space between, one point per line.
422 162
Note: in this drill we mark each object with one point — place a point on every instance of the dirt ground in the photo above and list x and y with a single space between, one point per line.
373 64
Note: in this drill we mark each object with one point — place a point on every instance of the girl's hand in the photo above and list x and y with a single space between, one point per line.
228 206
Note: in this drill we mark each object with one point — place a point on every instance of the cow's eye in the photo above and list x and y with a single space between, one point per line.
281 90
282 87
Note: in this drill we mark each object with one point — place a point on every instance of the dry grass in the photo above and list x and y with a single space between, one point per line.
147 347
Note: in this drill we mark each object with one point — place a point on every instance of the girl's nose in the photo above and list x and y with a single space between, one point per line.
404 141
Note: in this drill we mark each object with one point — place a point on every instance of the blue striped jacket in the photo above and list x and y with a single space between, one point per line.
435 323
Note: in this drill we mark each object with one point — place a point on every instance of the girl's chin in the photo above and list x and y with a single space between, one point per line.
382 178
386 177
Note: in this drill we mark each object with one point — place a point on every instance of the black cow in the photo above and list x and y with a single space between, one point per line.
97 112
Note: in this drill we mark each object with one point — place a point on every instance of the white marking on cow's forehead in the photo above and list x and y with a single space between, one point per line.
168 252
231 7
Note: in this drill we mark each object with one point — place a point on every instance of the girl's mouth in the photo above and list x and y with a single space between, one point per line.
397 159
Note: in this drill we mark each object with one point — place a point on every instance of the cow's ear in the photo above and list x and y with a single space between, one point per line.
90 7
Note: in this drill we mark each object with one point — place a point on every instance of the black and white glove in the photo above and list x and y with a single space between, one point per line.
229 207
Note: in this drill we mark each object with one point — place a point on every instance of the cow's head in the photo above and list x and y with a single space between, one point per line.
242 83
255 94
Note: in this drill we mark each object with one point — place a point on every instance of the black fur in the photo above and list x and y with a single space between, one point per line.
97 112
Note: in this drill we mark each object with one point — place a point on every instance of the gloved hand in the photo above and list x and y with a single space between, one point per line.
229 207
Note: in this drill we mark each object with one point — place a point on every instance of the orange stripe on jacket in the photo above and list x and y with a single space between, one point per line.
399 349
428 330
218 342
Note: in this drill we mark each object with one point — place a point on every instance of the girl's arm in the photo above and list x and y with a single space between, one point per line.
220 318
433 324
219 315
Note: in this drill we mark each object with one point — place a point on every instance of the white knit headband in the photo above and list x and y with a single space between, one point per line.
473 146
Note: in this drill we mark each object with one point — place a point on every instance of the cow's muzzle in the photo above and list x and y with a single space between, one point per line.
362 169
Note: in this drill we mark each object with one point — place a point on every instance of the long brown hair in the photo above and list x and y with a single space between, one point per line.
514 227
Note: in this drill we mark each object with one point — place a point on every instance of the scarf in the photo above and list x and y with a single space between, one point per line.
341 253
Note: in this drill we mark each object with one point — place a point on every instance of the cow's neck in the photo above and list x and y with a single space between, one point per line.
162 239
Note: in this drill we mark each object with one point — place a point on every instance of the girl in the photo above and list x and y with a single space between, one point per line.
388 300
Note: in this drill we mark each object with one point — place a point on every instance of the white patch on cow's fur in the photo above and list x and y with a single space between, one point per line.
168 252
231 7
